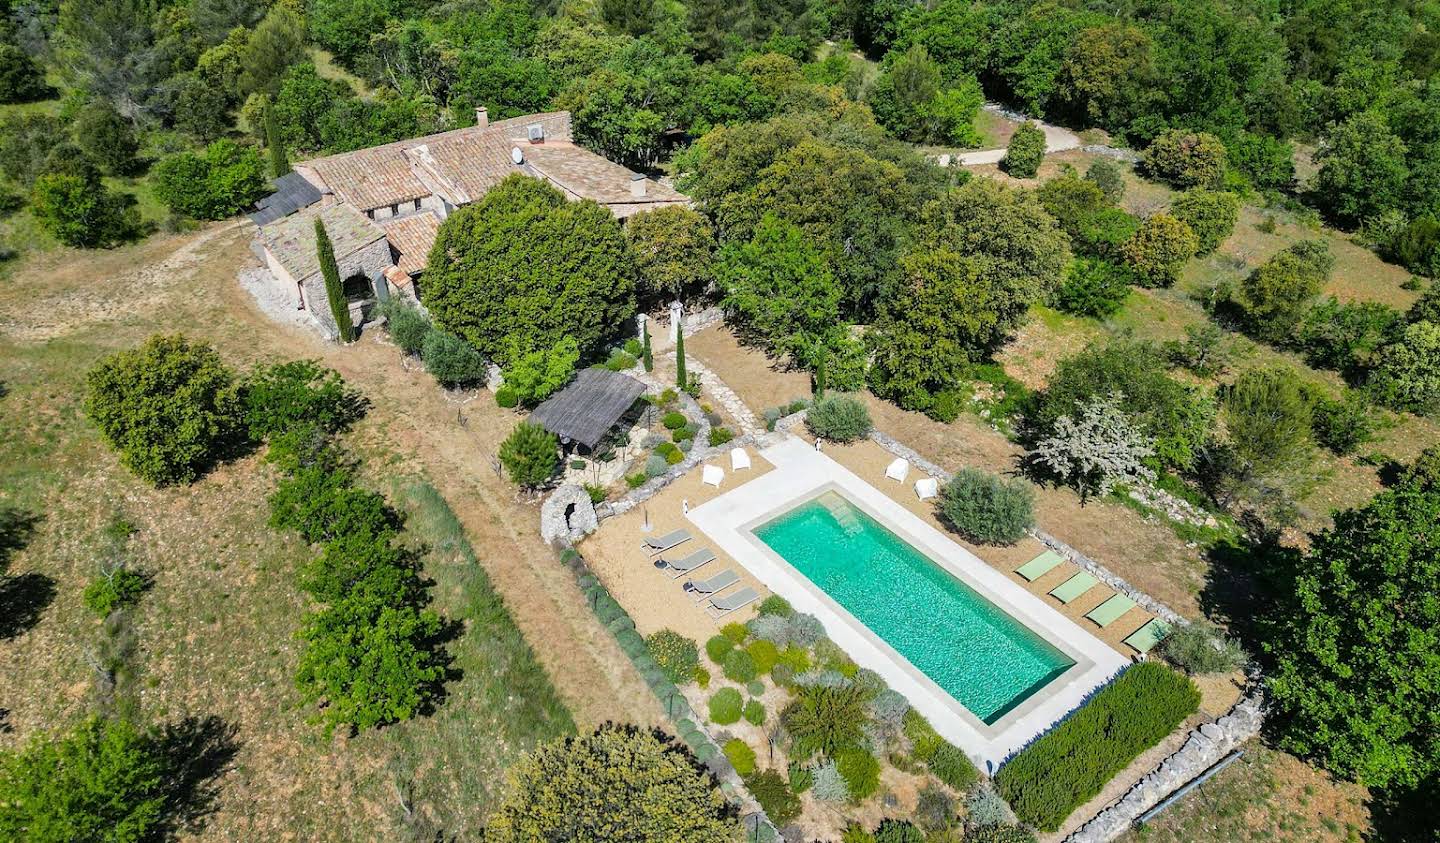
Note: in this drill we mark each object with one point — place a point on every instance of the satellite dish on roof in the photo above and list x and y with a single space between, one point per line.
516 155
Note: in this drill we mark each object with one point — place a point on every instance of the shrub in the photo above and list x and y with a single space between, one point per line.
1341 426
507 398
21 78
953 767
1407 372
77 209
656 465
103 781
1108 176
984 807
677 655
1185 159
530 455
725 706
741 756
891 830
673 420
795 657
934 809
1025 151
1273 298
801 776
754 712
451 360
1210 214
407 326
701 677
1093 287
170 407
764 655
739 666
806 630
999 834
946 407
775 796
618 777
775 605
619 361
924 740
298 393
839 418
1067 767
988 509
856 833
826 718
719 436
1158 250
1105 234
718 647
1202 648
107 138
829 785
223 181
736 632
114 590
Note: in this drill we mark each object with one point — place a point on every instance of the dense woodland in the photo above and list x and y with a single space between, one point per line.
832 242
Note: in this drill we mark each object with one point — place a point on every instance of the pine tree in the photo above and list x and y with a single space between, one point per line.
645 354
334 291
680 379
279 162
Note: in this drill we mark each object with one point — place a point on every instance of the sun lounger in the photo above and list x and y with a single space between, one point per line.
681 567
739 458
660 544
1040 566
1067 591
719 607
712 475
927 488
1109 611
1148 636
898 470
705 589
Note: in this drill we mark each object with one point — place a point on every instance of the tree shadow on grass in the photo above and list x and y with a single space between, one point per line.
24 598
1245 584
198 751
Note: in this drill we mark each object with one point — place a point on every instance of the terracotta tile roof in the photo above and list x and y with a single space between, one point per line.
381 175
412 237
592 176
292 239
470 164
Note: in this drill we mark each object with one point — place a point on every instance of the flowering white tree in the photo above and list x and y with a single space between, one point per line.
1101 449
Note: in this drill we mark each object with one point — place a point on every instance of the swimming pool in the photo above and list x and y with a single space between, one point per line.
984 658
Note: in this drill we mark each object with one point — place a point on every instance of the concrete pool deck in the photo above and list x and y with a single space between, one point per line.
800 473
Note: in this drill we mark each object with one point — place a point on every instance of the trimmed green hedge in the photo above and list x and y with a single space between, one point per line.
1068 767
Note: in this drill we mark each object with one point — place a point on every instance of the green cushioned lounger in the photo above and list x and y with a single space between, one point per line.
1040 566
1077 585
1148 635
1109 611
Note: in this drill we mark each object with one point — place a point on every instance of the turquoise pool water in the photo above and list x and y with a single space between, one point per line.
980 655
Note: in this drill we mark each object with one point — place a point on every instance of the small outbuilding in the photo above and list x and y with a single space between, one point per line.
361 252
582 413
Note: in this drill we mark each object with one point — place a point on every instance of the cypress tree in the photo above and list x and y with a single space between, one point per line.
334 291
279 161
645 354
820 373
680 379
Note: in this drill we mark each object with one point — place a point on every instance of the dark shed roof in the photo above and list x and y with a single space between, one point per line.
292 192
584 411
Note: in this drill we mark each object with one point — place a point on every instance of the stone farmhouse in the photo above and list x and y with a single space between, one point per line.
382 206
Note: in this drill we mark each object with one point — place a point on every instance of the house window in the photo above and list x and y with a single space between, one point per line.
417 204
370 213
394 210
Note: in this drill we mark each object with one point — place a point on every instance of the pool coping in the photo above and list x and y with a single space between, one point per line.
801 475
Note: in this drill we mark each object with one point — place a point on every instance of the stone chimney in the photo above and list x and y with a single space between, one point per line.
482 117
637 184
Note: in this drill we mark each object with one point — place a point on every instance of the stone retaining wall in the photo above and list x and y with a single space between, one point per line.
1205 746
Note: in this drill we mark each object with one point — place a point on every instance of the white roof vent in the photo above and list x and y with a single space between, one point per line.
536 133
516 155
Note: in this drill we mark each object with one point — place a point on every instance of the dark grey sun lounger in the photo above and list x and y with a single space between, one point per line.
716 584
721 606
681 567
660 544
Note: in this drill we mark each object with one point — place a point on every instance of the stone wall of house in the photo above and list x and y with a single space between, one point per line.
1205 747
367 261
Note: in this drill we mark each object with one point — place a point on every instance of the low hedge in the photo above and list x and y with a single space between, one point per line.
1069 766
